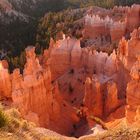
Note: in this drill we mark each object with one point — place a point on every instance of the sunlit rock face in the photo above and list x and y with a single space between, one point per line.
5 82
128 50
102 99
64 54
93 97
48 91
38 99
133 94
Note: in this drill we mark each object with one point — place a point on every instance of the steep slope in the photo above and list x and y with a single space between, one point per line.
8 14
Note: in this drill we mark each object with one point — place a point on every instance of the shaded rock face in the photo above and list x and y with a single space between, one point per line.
133 17
96 26
64 54
111 28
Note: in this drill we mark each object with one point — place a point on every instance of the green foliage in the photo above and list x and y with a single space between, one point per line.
3 119
100 3
11 121
54 23
17 61
127 2
25 125
98 121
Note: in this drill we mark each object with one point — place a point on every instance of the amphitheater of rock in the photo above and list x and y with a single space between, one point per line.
70 84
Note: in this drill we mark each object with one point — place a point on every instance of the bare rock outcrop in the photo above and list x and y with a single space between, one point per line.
96 27
65 54
133 17
112 27
128 50
93 99
5 82
68 84
101 99
133 94
38 99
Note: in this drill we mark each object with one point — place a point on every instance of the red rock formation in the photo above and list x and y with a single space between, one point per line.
40 101
97 27
137 117
128 51
133 94
102 100
54 86
5 64
45 100
112 97
113 27
93 99
117 30
5 82
65 54
133 17
94 27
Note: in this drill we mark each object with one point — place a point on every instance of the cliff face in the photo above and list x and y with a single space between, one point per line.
96 26
69 53
130 49
133 94
133 17
34 93
112 27
5 82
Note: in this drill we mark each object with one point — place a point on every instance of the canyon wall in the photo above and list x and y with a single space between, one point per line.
133 17
96 27
112 26
5 83
133 88
67 85
36 97
133 94
55 86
